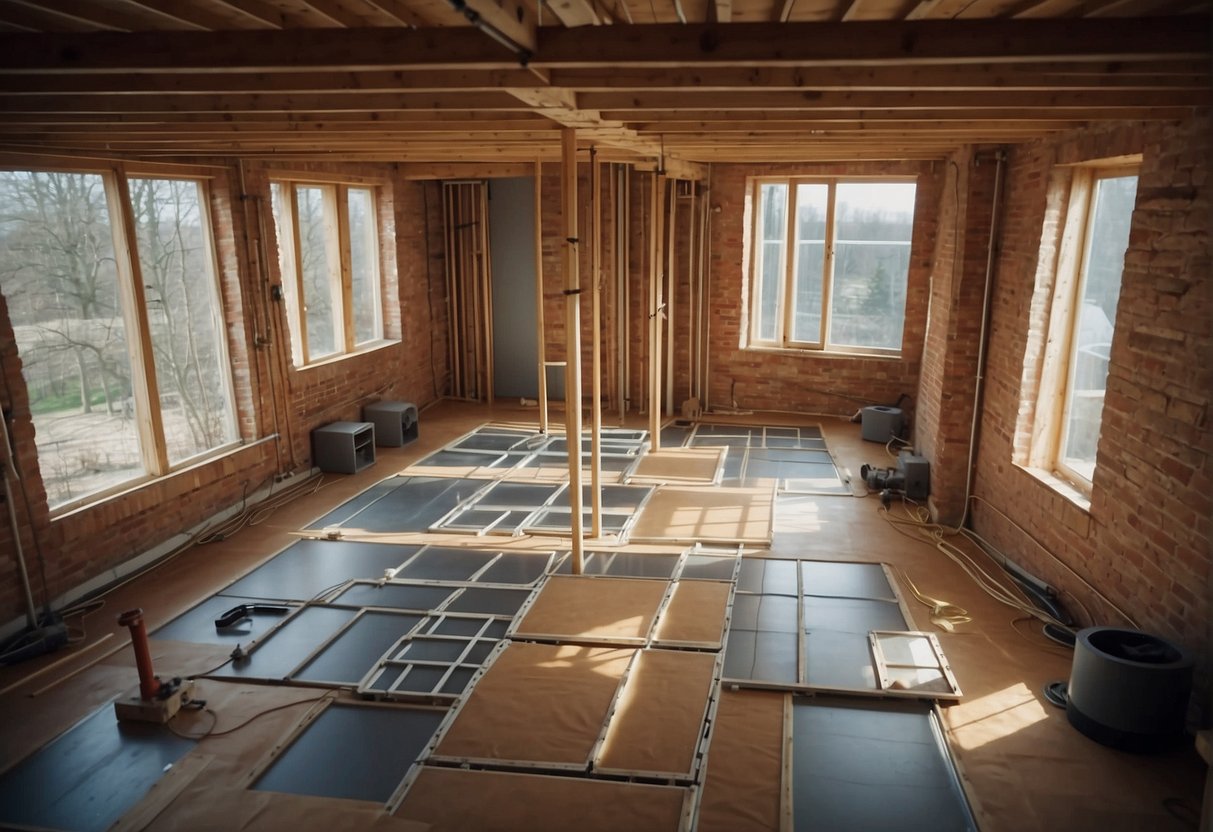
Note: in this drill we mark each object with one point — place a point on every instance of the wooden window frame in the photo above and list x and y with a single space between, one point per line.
1052 413
149 421
791 257
341 279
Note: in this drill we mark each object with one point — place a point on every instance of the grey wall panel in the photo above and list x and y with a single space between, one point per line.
512 255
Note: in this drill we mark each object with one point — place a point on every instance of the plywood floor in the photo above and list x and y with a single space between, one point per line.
1023 766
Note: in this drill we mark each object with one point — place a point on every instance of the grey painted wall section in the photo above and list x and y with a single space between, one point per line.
512 254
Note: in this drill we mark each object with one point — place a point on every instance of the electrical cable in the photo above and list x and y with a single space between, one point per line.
1010 596
328 695
973 497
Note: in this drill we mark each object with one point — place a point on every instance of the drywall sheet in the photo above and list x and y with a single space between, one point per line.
846 580
872 766
457 800
685 514
353 752
690 465
404 504
659 718
306 568
539 703
89 776
744 765
660 565
695 614
198 624
603 609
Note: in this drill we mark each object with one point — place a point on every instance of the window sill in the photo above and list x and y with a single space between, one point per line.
1077 498
832 354
145 481
362 349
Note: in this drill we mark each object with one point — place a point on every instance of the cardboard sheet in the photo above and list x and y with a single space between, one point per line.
741 791
659 718
695 614
605 609
538 703
454 800
693 465
712 515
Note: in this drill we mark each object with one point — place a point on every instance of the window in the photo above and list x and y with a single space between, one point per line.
328 249
830 264
1090 262
125 360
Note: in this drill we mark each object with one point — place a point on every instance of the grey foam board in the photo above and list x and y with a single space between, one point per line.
351 752
90 775
197 625
443 563
395 596
767 657
872 767
845 580
851 615
767 575
412 504
352 654
286 648
307 567
489 601
768 613
516 568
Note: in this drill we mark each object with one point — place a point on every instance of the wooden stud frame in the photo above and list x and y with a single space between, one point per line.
881 663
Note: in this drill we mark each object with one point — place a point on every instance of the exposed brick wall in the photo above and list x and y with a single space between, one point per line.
273 398
1145 541
809 382
953 334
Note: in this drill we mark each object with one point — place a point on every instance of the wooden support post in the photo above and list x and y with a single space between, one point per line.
596 360
672 283
657 186
692 294
486 288
623 266
540 350
572 370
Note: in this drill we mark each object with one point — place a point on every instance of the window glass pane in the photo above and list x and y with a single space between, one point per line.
59 278
320 263
772 221
811 207
874 222
1099 290
184 316
364 265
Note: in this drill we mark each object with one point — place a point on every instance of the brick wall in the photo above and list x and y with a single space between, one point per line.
802 381
953 333
1144 543
275 400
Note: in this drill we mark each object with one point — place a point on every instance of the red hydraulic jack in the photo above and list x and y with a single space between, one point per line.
156 700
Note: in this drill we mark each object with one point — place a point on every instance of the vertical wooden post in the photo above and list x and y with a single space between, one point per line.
486 288
540 347
655 303
596 361
572 300
672 282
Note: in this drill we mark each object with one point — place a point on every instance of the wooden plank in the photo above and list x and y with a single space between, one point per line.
668 45
596 346
572 387
514 19
540 341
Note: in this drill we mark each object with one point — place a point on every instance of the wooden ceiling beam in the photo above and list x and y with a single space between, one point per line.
658 45
808 101
270 102
1084 114
92 15
193 16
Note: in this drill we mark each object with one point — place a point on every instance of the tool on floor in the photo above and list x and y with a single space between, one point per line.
156 700
243 612
911 477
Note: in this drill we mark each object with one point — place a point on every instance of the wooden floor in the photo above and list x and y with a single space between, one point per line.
1023 766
